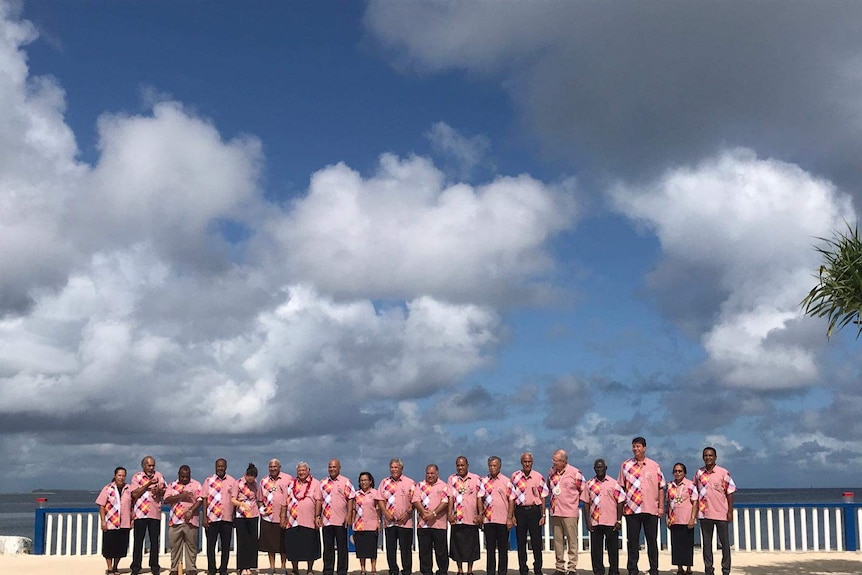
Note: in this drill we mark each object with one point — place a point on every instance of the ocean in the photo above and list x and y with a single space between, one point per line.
16 509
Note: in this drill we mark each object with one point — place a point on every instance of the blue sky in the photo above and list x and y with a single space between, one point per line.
416 230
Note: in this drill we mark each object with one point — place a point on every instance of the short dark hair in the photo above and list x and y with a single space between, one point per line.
684 469
709 448
371 477
639 440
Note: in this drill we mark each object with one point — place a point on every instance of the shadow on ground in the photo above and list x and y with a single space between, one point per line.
839 566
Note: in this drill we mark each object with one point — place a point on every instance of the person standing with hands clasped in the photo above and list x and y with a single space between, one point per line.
681 513
603 510
715 489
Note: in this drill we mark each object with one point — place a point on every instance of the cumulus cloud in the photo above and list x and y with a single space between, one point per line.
404 233
750 222
632 87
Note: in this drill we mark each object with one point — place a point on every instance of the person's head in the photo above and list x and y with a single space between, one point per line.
527 462
334 468
600 467
560 459
120 475
148 465
274 468
366 481
184 474
302 471
250 473
639 448
494 465
396 468
709 457
679 471
462 466
431 474
221 467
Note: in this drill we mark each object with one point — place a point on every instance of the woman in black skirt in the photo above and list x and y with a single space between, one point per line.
681 514
115 518
244 498
366 522
300 517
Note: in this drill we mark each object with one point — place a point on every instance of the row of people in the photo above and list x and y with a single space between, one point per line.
291 513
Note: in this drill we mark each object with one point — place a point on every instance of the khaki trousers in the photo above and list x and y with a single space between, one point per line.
565 532
183 540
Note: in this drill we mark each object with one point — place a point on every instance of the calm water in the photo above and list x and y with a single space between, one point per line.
16 509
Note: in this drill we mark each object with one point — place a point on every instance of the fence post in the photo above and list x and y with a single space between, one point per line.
39 527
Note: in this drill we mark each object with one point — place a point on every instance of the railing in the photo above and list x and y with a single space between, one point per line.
756 527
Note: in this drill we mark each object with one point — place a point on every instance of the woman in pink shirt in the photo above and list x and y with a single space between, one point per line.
681 510
243 495
366 522
115 518
300 516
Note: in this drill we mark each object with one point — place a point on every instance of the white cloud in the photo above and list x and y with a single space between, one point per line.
402 233
467 153
751 224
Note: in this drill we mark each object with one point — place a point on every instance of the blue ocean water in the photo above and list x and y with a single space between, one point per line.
17 509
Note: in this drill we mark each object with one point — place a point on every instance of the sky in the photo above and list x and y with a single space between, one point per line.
424 229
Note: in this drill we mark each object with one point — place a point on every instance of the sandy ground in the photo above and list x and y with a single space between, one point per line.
744 563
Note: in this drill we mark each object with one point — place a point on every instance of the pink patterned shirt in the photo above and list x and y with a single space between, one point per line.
565 488
335 494
602 497
118 506
680 500
147 506
713 487
496 493
246 493
301 499
179 508
398 497
529 490
430 497
643 482
270 494
367 515
216 494
462 497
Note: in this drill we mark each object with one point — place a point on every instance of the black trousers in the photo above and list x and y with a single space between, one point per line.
496 542
527 522
334 536
605 536
246 542
142 527
649 523
432 541
223 531
721 527
403 537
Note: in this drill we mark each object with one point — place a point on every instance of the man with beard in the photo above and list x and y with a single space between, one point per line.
184 497
148 487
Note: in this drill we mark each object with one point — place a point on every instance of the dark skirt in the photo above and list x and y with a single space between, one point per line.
302 543
271 537
681 545
464 543
115 543
246 542
366 544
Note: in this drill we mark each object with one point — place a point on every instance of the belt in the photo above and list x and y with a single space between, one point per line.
527 506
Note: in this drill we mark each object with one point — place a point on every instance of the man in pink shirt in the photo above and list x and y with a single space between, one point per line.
715 489
603 510
566 483
431 501
337 497
184 497
218 515
271 497
530 493
396 506
643 482
148 487
463 515
497 504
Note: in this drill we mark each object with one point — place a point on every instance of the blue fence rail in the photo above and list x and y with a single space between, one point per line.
756 527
